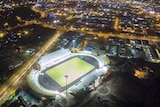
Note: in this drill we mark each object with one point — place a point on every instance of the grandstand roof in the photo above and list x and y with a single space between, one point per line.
88 79
49 58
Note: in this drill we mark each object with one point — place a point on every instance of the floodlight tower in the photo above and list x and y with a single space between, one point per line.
73 43
66 77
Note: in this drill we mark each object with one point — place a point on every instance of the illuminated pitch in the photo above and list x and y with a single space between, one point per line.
74 68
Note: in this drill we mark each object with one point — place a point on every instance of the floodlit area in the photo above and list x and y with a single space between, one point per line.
73 69
66 71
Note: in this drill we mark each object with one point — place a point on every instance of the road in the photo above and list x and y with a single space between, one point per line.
42 13
120 35
16 79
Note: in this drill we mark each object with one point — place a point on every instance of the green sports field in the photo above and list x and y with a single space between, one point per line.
74 68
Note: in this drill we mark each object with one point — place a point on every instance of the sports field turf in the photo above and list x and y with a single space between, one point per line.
74 68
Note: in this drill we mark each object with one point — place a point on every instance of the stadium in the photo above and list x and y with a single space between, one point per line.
63 70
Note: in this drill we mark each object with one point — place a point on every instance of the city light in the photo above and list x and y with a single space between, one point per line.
82 43
2 34
26 32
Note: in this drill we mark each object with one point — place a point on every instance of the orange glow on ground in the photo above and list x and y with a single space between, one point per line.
140 74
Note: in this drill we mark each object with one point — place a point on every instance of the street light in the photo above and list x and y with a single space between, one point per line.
66 76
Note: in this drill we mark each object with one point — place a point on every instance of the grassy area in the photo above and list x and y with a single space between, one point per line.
74 68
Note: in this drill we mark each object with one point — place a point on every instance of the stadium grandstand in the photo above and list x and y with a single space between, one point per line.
48 60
